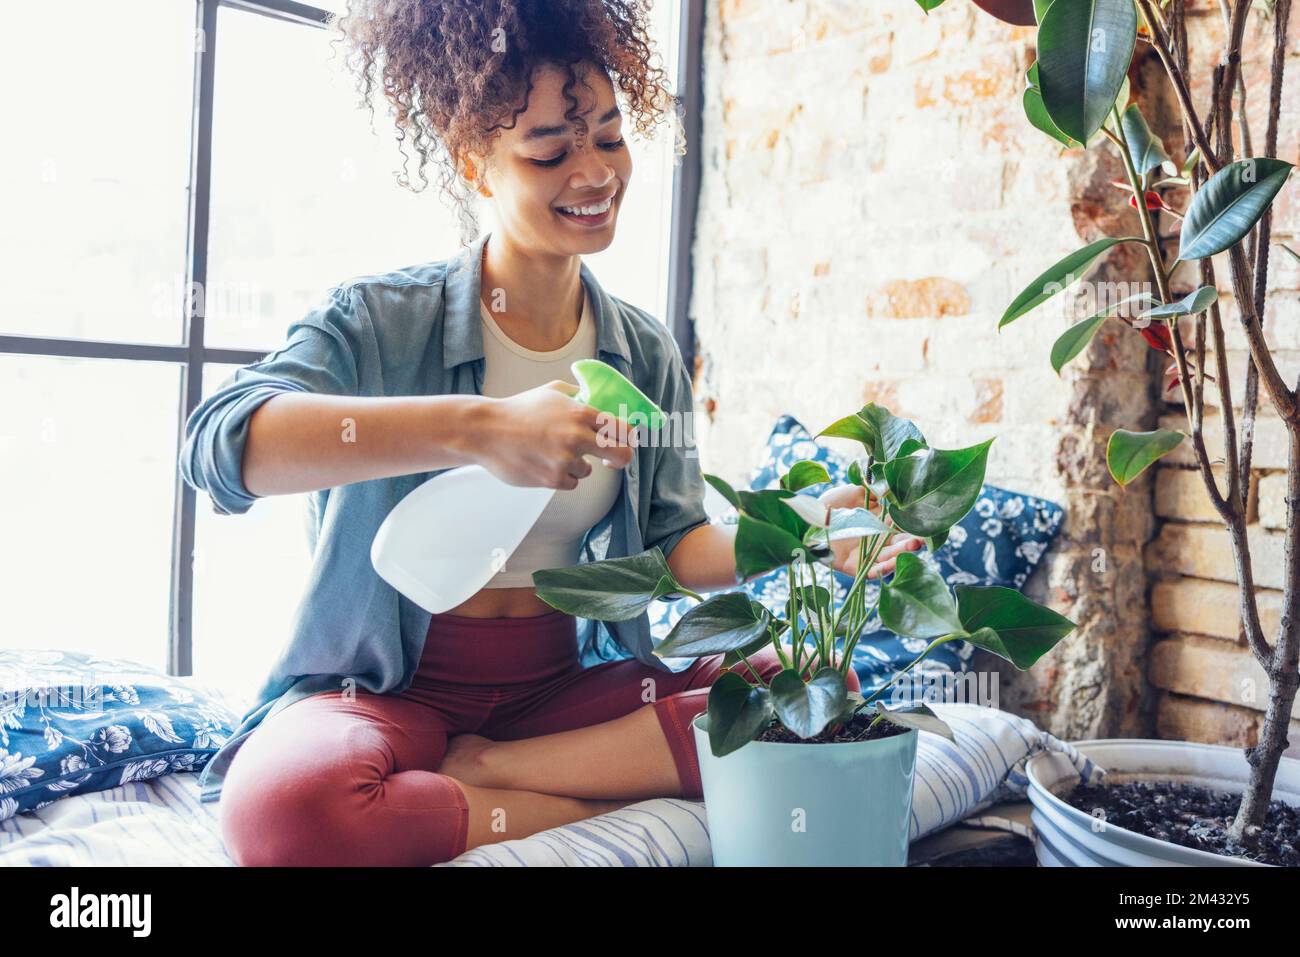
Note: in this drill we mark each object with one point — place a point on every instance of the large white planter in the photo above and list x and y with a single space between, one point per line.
1068 837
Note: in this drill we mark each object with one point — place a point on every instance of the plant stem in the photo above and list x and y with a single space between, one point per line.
919 658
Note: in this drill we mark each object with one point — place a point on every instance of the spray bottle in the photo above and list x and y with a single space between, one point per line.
448 537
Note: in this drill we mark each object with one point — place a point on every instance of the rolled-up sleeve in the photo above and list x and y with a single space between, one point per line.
677 487
319 355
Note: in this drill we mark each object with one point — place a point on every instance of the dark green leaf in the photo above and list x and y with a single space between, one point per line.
724 489
1129 454
1036 112
1226 208
614 590
883 434
1062 275
806 707
1075 339
1006 623
1144 147
738 713
716 625
917 603
932 491
1084 51
761 546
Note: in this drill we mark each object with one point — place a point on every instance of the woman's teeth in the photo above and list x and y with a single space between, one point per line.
595 210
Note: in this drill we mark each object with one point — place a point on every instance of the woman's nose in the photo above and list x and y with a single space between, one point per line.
592 172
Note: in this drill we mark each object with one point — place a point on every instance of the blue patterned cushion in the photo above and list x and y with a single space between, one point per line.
71 723
999 542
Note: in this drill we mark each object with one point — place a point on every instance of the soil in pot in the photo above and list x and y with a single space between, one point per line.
854 730
1191 816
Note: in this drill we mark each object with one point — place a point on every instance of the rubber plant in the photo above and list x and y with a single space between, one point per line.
1077 94
910 487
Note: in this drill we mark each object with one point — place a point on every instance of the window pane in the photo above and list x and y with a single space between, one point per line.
249 574
88 448
635 266
303 193
95 166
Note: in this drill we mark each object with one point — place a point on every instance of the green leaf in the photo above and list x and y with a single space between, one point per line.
738 713
803 474
768 505
1226 208
1060 276
883 434
1189 164
1036 112
918 716
1006 623
1144 147
715 626
1084 51
724 489
614 590
916 603
1075 339
1040 7
1189 305
928 5
931 491
806 707
1129 454
761 546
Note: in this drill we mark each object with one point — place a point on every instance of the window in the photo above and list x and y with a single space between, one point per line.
215 145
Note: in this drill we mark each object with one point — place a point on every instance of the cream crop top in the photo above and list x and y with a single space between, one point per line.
556 539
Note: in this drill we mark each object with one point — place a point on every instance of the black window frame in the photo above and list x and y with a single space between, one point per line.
192 353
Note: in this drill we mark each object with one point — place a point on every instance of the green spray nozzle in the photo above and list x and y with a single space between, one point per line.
606 389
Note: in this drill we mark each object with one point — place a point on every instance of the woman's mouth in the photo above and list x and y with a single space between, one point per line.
591 214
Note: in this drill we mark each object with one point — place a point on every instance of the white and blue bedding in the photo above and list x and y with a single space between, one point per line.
162 823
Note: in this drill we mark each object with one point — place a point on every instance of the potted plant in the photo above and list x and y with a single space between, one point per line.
1077 93
802 770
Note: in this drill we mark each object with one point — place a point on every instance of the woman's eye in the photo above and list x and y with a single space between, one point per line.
617 144
555 161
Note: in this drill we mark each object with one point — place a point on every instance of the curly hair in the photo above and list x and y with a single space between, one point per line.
456 72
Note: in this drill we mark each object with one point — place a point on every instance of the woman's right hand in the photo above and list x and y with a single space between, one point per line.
540 437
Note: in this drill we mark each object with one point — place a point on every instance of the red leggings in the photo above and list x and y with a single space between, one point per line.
353 779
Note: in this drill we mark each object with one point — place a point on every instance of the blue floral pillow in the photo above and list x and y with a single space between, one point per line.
999 542
72 723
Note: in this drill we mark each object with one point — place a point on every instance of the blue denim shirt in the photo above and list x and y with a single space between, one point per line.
417 331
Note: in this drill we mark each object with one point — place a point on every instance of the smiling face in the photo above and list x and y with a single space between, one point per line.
556 185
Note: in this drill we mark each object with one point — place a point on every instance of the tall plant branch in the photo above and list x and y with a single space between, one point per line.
1263 235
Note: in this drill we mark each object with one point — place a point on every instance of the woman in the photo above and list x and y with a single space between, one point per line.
386 735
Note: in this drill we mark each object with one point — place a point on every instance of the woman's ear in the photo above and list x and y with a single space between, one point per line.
472 169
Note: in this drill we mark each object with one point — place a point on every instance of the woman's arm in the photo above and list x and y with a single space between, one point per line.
301 442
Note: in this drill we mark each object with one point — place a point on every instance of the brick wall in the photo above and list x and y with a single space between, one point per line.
872 200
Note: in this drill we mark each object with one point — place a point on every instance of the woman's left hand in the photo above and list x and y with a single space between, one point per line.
846 550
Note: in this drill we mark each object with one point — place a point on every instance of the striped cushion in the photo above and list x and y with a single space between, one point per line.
162 823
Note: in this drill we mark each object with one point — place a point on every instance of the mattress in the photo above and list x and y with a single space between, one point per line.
162 822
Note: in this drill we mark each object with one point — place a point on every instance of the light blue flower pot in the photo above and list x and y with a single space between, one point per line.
808 805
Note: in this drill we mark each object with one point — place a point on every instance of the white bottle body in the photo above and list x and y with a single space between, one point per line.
446 539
